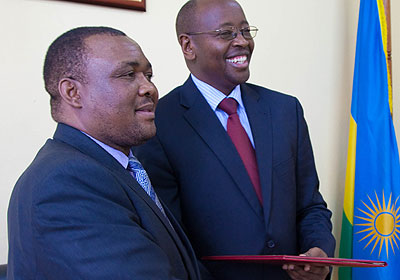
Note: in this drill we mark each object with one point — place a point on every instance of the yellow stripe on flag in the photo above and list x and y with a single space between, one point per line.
348 205
382 19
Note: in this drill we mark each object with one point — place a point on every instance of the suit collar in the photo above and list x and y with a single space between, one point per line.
213 96
84 144
118 155
190 94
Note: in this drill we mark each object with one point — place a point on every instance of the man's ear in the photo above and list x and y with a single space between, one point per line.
70 93
187 47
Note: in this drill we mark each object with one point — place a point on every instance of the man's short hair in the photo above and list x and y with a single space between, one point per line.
66 58
186 18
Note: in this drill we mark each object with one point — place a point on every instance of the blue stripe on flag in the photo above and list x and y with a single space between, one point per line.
377 174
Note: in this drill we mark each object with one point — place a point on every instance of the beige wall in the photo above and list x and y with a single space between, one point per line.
304 48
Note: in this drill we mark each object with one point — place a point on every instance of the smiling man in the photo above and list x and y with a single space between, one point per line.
84 208
234 160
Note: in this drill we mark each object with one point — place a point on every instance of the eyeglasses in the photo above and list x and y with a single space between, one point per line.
230 33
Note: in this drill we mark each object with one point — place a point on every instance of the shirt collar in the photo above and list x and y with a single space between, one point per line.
118 155
214 96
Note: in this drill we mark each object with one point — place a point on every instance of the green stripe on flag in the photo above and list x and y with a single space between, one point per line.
346 244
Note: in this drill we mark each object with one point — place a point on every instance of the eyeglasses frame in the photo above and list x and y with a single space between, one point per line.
235 34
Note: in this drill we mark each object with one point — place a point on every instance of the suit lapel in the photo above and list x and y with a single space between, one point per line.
259 115
77 139
204 121
184 241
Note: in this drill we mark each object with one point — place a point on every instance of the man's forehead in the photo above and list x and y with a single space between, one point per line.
115 48
210 5
115 53
217 11
105 40
105 45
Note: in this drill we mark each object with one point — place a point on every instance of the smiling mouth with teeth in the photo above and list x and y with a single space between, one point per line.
238 59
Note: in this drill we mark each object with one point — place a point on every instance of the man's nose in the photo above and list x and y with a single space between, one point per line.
147 87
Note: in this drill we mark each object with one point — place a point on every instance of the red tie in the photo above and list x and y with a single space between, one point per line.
242 142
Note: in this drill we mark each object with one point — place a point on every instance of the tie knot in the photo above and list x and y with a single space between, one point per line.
228 105
134 165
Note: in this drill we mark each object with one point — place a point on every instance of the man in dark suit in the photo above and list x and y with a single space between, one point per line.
264 200
78 211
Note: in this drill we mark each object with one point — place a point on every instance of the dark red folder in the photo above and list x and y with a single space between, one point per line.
299 260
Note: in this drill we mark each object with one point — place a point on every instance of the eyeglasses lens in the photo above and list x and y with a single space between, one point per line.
247 33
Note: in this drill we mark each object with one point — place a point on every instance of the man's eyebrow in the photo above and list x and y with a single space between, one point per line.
135 64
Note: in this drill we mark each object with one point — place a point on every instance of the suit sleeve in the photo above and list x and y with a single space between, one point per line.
85 231
314 228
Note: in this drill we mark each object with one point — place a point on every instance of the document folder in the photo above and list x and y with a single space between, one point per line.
297 260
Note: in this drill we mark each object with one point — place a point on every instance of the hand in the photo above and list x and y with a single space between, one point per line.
308 272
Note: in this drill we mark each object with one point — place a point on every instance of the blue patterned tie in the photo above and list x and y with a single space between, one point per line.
137 170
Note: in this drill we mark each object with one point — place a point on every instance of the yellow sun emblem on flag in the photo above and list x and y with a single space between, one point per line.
382 223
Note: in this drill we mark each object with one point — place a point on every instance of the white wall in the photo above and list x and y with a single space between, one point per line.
304 48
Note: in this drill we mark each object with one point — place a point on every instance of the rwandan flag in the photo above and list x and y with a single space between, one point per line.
371 218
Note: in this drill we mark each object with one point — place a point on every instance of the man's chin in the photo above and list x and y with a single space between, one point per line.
241 77
145 134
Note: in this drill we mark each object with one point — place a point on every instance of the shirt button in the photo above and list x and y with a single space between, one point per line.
271 244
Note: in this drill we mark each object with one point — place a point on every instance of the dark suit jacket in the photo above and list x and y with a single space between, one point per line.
196 169
76 213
